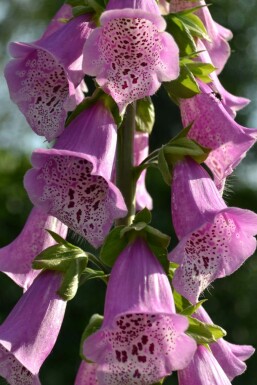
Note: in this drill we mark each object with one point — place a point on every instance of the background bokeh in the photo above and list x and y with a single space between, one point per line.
231 301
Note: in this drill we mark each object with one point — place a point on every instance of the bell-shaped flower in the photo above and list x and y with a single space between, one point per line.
141 147
141 339
130 54
16 258
72 180
86 374
28 334
230 102
214 239
44 77
63 15
231 357
214 128
218 47
203 370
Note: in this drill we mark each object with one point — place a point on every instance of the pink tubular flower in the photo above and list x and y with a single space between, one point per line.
214 128
214 239
72 181
230 102
231 357
129 54
218 48
142 339
63 15
143 199
203 370
44 77
86 374
16 258
28 334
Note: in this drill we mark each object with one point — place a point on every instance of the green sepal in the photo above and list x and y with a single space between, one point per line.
143 216
176 150
3 381
81 10
89 274
204 333
191 309
193 23
113 246
71 279
145 115
80 7
164 166
98 95
200 70
158 242
185 86
94 324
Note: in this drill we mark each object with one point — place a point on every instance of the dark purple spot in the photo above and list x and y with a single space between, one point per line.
118 355
141 358
144 340
151 348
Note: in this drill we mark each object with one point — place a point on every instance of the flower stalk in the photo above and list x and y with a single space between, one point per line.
125 179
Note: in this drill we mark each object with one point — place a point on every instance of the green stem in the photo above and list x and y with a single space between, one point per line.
125 163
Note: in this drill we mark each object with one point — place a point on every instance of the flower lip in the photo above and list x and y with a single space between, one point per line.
130 13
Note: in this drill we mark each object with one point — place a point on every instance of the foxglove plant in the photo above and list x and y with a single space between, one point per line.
16 258
72 180
44 77
141 339
214 240
92 180
28 334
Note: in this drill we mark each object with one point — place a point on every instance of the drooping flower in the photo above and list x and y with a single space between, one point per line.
214 240
214 128
203 370
86 374
218 47
72 180
16 258
141 339
28 334
230 102
44 77
231 357
143 198
129 54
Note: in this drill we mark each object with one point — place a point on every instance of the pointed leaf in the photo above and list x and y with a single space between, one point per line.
204 333
145 115
113 246
70 282
164 167
143 216
94 324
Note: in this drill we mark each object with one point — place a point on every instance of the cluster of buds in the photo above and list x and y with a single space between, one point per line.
92 181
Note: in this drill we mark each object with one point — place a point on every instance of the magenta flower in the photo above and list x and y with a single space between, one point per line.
129 54
231 357
16 258
44 76
214 239
28 334
57 22
230 102
142 339
143 198
214 128
72 180
218 47
86 374
203 370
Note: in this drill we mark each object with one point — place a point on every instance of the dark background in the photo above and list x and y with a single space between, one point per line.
232 300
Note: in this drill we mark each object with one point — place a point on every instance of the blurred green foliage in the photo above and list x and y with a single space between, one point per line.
231 301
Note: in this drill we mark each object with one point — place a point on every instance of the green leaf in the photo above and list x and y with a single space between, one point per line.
94 324
113 246
143 216
81 10
179 148
185 86
3 381
200 70
70 282
158 242
145 115
191 309
89 274
204 333
164 167
193 24
58 258
181 302
58 238
111 105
